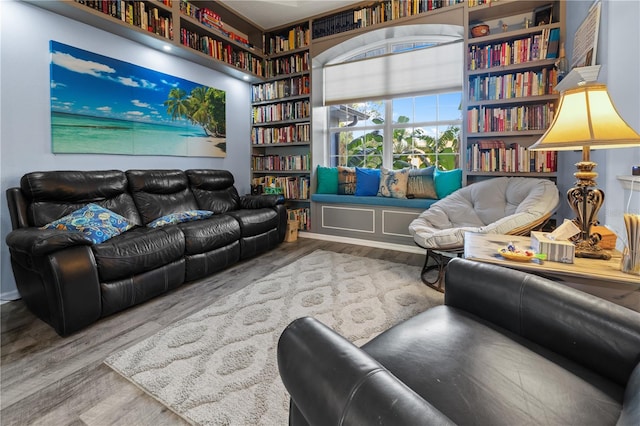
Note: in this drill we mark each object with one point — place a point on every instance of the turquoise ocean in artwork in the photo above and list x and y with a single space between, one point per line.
74 133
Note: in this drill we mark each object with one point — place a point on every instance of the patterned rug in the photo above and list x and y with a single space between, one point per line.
219 367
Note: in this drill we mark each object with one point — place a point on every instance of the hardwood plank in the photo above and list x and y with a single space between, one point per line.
49 380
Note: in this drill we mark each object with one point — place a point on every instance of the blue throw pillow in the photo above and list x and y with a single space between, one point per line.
180 217
447 181
327 180
94 221
367 181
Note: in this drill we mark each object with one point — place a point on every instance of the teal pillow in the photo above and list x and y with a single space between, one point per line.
180 217
96 222
447 181
420 184
327 180
393 183
367 181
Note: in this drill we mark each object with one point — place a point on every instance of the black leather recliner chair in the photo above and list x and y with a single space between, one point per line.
70 282
507 348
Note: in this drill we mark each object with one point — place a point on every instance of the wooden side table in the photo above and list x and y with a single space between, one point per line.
600 277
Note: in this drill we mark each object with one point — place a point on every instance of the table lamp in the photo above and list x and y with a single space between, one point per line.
585 118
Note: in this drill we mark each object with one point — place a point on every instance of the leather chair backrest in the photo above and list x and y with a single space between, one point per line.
214 190
158 193
51 195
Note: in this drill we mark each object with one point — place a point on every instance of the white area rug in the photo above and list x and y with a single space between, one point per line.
219 366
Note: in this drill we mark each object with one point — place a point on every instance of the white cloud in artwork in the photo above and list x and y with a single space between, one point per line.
174 84
139 103
55 84
81 66
104 109
135 113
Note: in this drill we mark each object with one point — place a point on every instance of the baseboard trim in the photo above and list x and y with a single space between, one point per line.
360 242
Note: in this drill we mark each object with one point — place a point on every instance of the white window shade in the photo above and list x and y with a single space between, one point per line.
434 69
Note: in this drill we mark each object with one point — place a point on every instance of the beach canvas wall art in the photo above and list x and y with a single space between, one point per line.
101 105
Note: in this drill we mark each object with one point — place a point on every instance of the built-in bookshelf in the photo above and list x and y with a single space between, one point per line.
281 120
509 100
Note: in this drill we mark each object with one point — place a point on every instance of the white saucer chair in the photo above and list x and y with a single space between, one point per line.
504 205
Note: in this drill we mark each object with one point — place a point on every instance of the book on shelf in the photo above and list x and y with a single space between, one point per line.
283 111
299 132
291 187
515 85
293 86
483 119
498 156
296 163
302 216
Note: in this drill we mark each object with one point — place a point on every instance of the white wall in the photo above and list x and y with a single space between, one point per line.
617 53
25 134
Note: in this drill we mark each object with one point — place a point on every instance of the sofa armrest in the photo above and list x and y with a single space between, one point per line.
39 242
574 324
332 382
260 201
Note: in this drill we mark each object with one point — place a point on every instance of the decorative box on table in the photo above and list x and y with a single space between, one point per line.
556 250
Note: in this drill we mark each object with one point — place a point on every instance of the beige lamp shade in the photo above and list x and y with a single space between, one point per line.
586 117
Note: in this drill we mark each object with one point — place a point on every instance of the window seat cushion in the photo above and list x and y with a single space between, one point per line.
414 203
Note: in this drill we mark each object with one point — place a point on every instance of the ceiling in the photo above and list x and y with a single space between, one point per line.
276 13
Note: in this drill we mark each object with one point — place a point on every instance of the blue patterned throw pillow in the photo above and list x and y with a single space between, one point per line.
393 183
94 221
180 217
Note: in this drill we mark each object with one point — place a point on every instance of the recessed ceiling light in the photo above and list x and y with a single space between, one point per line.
166 47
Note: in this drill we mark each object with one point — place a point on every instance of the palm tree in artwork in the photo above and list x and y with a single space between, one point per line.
204 106
177 104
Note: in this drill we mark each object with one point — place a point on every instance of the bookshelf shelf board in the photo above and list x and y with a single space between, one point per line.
514 101
283 144
298 200
278 100
286 53
282 123
511 35
506 69
285 76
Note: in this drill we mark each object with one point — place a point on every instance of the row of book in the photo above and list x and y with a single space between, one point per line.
291 187
294 86
511 158
533 48
296 38
281 112
516 85
221 51
300 132
376 13
302 215
212 20
281 163
510 119
136 13
289 65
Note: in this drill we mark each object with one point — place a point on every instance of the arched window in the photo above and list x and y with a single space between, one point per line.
392 98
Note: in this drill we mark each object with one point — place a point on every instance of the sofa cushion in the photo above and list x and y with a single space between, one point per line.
499 376
54 194
180 217
256 221
97 223
205 235
160 192
214 190
138 250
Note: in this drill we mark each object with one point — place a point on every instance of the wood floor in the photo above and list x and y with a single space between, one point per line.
49 380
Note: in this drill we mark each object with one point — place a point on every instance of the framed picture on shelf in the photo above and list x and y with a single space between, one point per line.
543 15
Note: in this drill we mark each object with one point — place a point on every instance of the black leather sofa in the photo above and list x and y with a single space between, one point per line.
507 348
70 282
